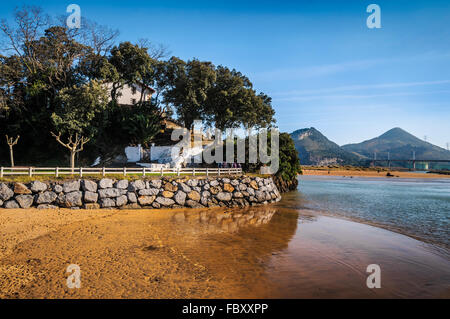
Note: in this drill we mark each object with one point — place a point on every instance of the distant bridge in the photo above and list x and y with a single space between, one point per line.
412 161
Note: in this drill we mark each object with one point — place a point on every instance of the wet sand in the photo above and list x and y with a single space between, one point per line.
262 252
355 173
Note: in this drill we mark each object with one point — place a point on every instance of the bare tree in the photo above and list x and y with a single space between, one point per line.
155 51
11 142
75 144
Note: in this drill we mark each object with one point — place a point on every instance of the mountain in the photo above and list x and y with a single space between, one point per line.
400 145
315 149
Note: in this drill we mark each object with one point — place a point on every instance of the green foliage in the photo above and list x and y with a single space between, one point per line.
289 161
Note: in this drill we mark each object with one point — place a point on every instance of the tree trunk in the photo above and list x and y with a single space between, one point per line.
11 155
72 161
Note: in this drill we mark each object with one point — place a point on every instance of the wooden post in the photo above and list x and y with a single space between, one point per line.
219 171
124 171
207 172
81 171
57 171
162 171
143 171
103 172
178 171
193 171
1 171
30 171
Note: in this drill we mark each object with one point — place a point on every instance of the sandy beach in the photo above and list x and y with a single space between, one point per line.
264 252
374 173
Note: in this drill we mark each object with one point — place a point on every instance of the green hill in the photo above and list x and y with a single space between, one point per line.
315 149
400 145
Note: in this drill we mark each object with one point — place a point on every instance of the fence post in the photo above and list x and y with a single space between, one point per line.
124 171
143 171
207 173
103 172
162 171
219 171
193 171
30 171
1 171
178 171
57 171
81 171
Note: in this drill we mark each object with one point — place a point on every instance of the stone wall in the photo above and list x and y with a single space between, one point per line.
143 193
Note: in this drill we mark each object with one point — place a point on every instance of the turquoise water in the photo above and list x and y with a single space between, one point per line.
416 207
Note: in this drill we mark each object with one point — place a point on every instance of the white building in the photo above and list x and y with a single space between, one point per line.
131 94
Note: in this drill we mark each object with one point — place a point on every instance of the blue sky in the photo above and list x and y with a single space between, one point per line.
317 59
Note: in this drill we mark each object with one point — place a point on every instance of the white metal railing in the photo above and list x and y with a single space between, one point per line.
103 171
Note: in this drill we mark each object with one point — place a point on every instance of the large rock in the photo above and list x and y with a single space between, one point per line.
224 196
135 186
238 195
74 199
185 188
146 200
122 184
194 195
5 192
46 197
90 197
58 188
165 201
1 203
149 192
156 183
91 206
21 189
254 185
105 183
235 182
107 202
11 204
38 186
214 183
215 190
260 196
121 200
109 193
242 187
180 198
170 187
167 194
132 198
89 186
228 188
71 186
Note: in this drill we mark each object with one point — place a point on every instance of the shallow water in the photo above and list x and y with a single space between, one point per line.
417 207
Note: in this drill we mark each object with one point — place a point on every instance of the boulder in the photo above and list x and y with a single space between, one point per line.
180 198
89 186
109 192
156 205
21 189
156 183
135 186
11 204
25 201
38 186
131 206
238 195
149 192
46 197
71 186
254 185
132 198
194 195
74 199
1 203
235 182
185 188
165 201
107 202
242 187
58 188
122 184
170 187
105 183
90 197
121 200
225 180
192 182
167 194
5 192
146 200
223 196
215 190
228 188
214 183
